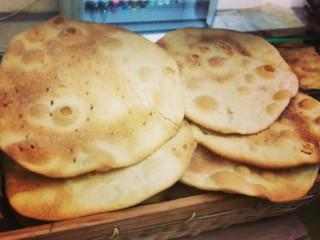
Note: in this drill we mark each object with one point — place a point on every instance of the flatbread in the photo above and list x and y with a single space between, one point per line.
232 82
288 142
209 171
40 197
309 107
78 96
305 63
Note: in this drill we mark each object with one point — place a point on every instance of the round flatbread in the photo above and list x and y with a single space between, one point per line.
40 197
209 171
288 142
232 82
78 96
305 63
309 107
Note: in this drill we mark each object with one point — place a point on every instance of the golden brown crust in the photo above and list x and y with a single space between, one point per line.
231 80
309 108
209 171
79 96
290 141
40 197
305 63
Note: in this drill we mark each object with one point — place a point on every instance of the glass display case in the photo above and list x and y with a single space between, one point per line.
145 17
269 18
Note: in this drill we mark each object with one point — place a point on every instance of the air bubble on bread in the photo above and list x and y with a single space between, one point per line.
65 115
206 103
249 78
71 34
33 56
57 112
217 61
225 47
243 90
58 20
308 104
204 49
194 59
266 71
282 95
169 71
307 148
71 30
272 108
242 170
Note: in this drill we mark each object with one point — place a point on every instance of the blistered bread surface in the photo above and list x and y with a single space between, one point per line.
45 198
289 141
78 96
305 63
210 171
232 82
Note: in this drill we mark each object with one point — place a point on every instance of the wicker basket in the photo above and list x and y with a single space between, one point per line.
187 216
195 225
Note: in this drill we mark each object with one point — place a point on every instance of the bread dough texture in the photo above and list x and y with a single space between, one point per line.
210 171
40 197
78 96
233 82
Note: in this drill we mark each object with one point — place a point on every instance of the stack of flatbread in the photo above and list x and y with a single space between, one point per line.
91 120
97 118
257 135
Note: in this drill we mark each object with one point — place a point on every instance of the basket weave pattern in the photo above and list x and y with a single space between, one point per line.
195 225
